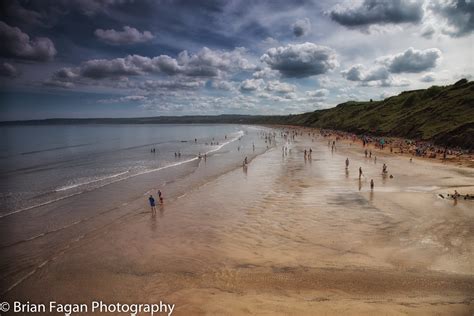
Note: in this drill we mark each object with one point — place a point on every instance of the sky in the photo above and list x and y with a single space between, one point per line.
137 58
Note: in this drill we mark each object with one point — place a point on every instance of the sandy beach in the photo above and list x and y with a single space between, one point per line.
285 236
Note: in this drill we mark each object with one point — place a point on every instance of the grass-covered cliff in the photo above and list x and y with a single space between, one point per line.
444 115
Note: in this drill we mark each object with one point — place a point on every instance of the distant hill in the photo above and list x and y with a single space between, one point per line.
442 114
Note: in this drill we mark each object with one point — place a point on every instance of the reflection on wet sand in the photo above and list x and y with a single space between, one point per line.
286 235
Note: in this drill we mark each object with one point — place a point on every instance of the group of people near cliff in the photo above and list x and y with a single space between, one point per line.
404 146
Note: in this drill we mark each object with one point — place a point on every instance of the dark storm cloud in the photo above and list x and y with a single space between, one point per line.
412 60
300 60
18 45
458 14
129 35
8 70
378 12
15 12
301 27
47 13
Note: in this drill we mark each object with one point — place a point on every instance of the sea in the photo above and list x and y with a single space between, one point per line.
40 165
60 183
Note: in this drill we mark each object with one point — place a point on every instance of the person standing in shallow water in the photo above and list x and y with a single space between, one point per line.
152 204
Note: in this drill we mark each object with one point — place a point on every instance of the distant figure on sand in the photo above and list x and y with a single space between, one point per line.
152 204
245 161
384 169
371 184
360 172
347 163
160 197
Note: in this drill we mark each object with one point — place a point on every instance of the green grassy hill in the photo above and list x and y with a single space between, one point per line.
444 115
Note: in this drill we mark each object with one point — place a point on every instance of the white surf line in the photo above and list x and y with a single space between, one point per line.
68 187
240 133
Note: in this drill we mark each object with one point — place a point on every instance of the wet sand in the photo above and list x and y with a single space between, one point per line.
286 236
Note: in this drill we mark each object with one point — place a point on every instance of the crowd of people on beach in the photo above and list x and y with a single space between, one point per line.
415 148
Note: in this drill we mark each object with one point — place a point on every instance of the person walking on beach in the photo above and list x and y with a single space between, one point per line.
360 173
347 163
372 184
366 153
152 204
384 169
